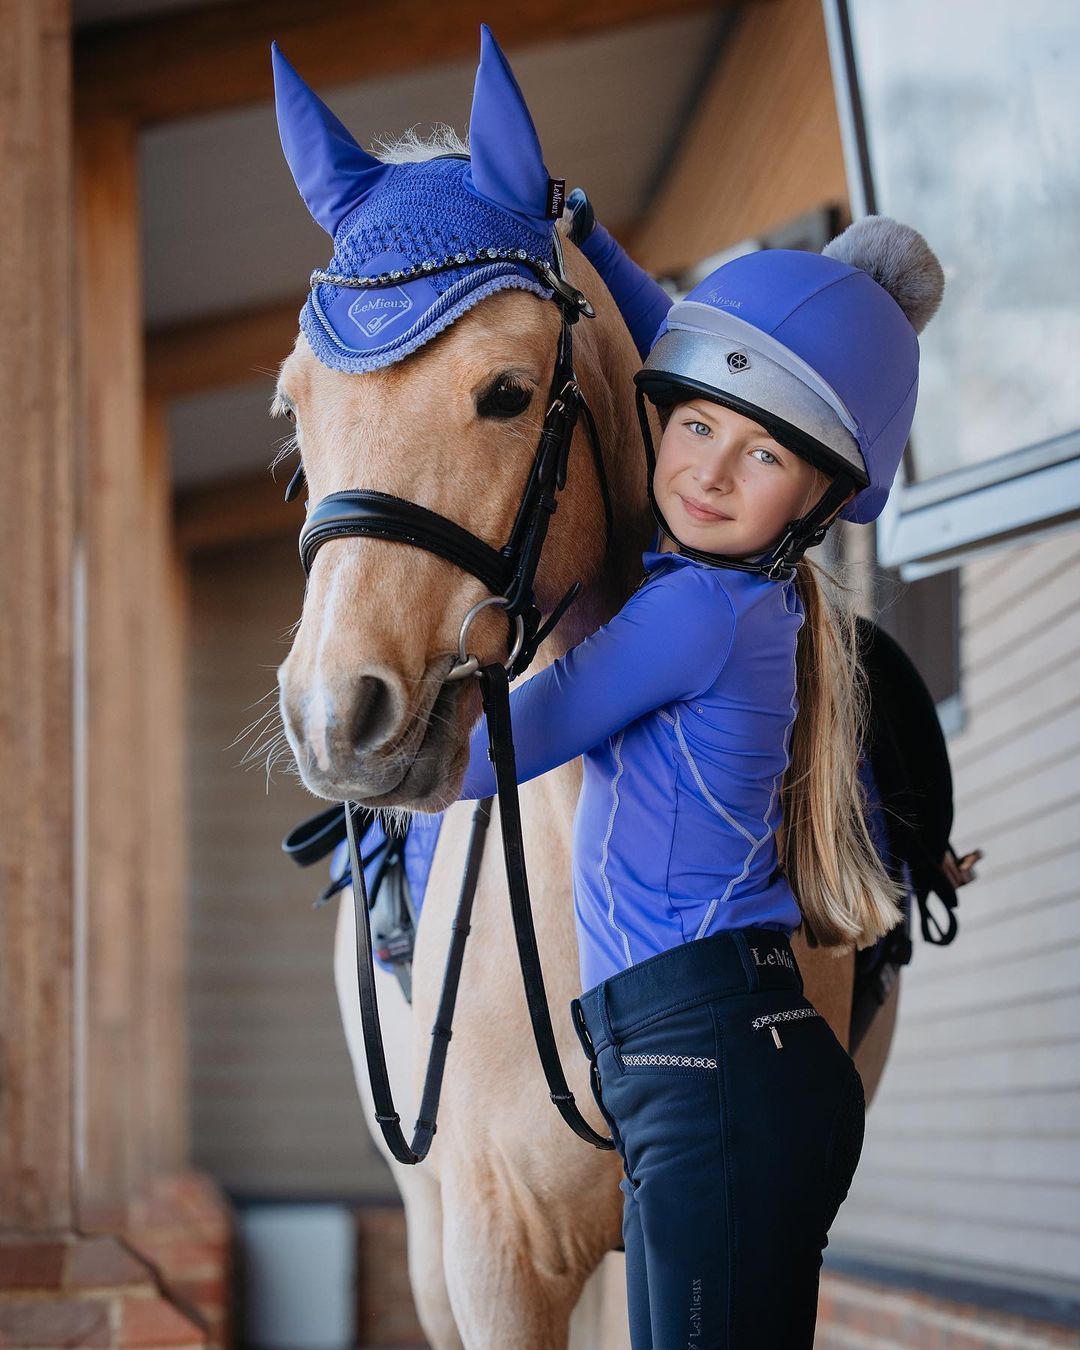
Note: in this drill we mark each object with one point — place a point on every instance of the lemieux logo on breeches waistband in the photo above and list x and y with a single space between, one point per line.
775 956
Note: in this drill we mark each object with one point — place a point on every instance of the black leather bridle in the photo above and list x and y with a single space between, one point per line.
509 574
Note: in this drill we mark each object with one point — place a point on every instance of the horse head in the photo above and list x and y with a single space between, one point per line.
423 370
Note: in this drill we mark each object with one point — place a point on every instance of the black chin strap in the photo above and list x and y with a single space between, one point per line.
779 563
807 530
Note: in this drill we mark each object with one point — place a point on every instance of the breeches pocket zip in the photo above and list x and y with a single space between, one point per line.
679 1042
770 1020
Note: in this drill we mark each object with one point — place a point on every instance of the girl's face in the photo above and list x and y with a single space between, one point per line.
724 485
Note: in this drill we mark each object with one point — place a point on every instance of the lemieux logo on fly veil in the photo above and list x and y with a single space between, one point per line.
373 313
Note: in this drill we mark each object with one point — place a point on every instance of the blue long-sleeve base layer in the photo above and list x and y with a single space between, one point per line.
682 709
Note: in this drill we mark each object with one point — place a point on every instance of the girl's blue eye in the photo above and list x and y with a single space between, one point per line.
772 458
700 428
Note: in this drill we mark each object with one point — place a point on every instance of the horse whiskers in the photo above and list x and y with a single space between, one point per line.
252 726
273 747
278 750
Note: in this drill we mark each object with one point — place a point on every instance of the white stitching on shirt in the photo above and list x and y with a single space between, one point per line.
717 806
708 916
616 746
720 810
756 844
667 717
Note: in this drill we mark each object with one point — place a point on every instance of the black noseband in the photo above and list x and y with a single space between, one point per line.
382 516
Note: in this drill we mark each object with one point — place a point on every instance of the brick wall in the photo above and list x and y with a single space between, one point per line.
385 1314
856 1314
853 1314
163 1283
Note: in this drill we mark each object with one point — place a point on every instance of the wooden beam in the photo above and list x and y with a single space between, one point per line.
223 513
217 352
37 570
217 56
762 147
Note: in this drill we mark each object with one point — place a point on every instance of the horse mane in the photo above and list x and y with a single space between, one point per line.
413 148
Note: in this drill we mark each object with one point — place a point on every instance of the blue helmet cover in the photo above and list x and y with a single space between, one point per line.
384 218
848 329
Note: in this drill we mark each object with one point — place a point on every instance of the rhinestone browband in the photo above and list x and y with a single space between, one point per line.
422 269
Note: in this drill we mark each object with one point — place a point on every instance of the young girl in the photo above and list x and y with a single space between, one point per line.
718 715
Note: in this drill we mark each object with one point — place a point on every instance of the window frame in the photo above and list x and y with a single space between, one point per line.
929 527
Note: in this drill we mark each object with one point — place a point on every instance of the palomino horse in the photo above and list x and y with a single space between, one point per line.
511 1214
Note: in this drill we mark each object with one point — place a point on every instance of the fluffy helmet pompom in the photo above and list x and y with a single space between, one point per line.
899 259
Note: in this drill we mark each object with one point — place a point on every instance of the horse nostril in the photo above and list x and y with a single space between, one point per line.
373 714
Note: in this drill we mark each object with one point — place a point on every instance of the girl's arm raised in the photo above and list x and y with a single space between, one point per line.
642 302
669 641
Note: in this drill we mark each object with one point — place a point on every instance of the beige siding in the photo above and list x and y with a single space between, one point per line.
274 1105
972 1154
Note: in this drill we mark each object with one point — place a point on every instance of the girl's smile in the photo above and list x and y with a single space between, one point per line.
697 512
725 485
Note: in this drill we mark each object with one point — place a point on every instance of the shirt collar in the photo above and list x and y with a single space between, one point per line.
653 558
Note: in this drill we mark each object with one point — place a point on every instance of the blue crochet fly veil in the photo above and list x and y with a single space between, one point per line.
416 245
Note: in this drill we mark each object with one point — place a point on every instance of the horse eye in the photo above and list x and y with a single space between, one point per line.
505 398
290 413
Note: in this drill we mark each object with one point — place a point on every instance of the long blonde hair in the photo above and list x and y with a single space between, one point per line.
846 896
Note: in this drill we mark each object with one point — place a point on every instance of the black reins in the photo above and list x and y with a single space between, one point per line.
509 574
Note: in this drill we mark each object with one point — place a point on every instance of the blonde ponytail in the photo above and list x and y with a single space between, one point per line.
846 896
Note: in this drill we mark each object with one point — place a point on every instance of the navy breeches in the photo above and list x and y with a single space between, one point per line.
739 1119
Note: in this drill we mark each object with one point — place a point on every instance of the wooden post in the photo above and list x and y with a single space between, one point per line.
115 764
37 532
92 1100
164 1053
131 1020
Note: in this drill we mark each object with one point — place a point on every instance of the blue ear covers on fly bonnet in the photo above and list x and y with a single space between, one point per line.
332 172
388 219
507 162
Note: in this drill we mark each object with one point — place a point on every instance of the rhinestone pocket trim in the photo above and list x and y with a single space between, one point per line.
678 1061
789 1015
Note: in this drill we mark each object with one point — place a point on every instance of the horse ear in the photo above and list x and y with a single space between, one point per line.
507 163
332 172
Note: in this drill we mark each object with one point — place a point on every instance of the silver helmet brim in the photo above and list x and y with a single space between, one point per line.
714 353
